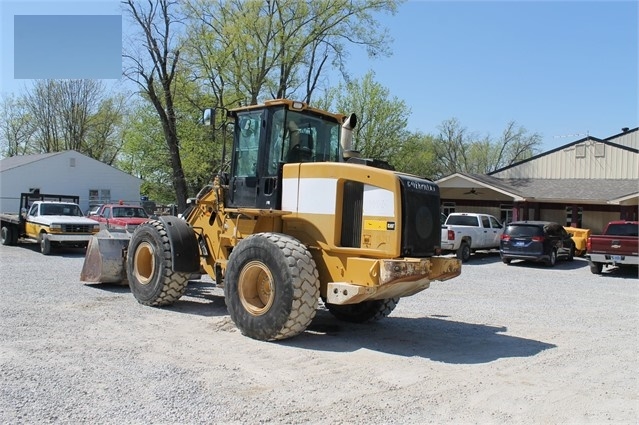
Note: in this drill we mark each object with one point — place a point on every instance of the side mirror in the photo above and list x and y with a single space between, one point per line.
208 117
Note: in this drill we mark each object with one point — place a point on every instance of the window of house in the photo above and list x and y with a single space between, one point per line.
506 215
600 150
580 151
448 208
99 196
569 216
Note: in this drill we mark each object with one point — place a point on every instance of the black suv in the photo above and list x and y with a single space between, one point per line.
536 241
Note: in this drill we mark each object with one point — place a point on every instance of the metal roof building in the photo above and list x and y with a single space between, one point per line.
585 183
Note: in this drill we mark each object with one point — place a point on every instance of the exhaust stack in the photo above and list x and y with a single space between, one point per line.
346 137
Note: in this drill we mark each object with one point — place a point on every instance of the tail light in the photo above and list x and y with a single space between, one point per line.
451 235
505 238
589 245
538 238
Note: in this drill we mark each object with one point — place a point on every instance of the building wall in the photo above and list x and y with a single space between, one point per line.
630 139
588 160
69 173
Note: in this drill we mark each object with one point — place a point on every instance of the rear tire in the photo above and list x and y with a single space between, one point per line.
271 286
506 260
367 311
571 256
553 258
463 252
150 269
596 268
7 235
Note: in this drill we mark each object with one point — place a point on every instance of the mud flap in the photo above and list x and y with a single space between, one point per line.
105 260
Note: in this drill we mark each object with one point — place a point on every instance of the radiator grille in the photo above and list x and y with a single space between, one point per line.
77 228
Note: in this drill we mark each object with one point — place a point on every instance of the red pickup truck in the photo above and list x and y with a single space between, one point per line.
120 216
618 245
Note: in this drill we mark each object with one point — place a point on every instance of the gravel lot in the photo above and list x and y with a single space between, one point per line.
499 344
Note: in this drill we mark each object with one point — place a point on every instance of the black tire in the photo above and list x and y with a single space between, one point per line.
7 235
45 244
506 260
150 269
550 262
463 252
271 286
367 311
571 255
596 268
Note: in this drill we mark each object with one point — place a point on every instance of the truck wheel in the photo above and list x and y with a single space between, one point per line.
552 259
571 255
367 311
7 235
149 266
271 286
45 244
506 260
463 252
596 268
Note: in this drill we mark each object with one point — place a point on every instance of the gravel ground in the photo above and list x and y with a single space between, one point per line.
499 344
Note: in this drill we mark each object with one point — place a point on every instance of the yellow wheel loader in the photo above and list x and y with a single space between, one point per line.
300 217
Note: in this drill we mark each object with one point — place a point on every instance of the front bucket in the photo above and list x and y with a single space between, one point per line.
105 258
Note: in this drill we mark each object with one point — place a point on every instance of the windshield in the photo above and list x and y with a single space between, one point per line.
523 231
129 212
302 137
61 209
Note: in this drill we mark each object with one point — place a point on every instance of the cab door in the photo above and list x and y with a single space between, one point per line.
243 183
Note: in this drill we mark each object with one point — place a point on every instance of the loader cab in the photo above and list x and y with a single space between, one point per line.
266 138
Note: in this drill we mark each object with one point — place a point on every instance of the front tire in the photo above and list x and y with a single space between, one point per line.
463 252
553 258
150 269
271 286
367 311
45 244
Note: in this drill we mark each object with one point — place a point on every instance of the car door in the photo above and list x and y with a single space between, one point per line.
496 230
485 232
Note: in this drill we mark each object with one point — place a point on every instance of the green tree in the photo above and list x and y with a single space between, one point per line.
251 50
381 129
154 71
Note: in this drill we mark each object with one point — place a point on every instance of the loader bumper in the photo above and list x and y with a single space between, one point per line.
396 278
105 258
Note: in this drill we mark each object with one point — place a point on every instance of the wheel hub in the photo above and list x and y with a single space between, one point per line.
255 288
144 263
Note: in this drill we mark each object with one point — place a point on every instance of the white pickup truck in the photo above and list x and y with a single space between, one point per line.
463 233
50 220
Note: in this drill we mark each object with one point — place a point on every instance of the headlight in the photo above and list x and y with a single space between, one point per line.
56 227
96 227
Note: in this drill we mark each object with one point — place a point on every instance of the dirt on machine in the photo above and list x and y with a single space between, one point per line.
300 217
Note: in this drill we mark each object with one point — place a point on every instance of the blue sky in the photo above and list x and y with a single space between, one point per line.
562 69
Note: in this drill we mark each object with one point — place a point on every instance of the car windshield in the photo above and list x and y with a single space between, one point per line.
129 212
462 220
61 209
625 229
522 231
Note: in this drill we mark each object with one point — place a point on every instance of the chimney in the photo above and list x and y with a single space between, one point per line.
625 129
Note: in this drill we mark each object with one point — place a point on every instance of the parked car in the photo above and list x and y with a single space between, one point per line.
121 216
616 246
542 241
463 233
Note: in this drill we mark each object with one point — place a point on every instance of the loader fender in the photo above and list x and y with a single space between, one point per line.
184 248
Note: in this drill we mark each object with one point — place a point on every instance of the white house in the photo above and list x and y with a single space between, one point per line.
65 173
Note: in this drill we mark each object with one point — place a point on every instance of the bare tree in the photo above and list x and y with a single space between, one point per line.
154 71
457 150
